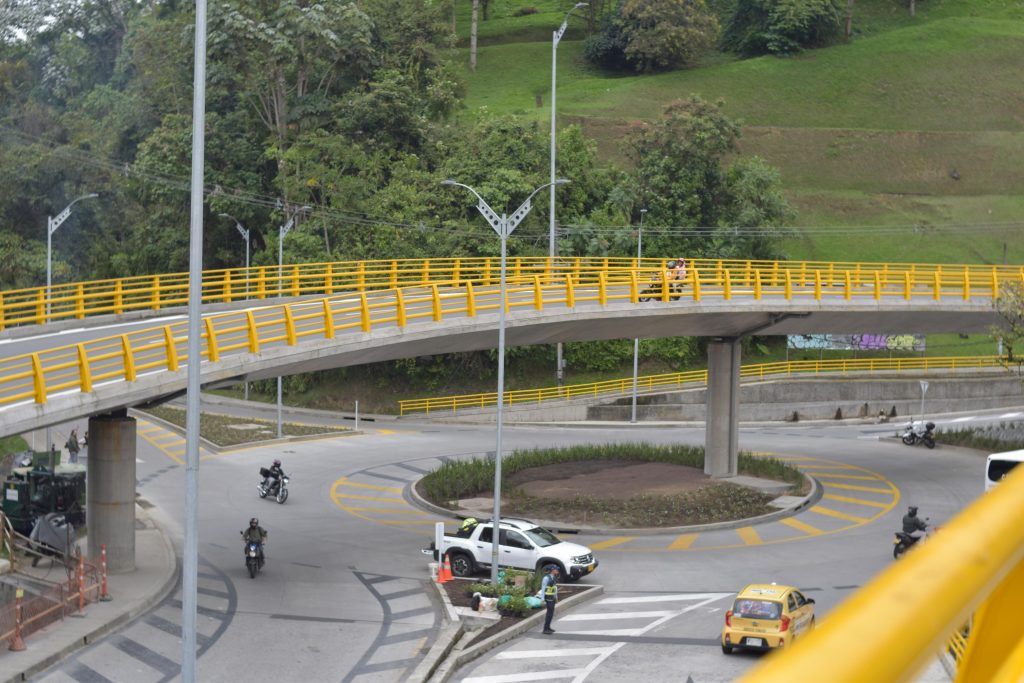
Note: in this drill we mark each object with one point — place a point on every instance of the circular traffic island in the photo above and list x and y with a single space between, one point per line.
616 486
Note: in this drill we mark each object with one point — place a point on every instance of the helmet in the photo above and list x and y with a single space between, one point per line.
553 568
254 522
277 463
469 523
912 510
671 264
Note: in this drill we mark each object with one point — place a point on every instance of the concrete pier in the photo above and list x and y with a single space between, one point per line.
110 507
721 438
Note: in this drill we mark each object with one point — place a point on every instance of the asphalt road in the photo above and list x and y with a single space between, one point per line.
343 595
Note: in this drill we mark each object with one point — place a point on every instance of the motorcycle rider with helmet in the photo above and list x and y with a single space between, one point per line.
255 534
912 523
274 476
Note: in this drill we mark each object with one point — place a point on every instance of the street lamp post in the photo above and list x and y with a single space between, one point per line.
52 223
281 232
504 225
636 341
244 232
555 38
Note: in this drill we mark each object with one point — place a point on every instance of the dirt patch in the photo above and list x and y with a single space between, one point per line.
608 479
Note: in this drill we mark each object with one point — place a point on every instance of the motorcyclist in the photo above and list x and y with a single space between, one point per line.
274 476
679 270
912 523
255 534
466 530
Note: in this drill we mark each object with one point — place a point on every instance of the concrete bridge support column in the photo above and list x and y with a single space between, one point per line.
721 457
110 509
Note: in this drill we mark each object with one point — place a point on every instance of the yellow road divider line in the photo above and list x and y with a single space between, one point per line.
373 487
862 477
356 496
801 526
386 432
749 535
829 512
390 511
683 542
610 542
855 487
856 501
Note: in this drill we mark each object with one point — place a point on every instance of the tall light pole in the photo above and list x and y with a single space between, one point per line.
281 232
636 341
52 223
504 225
555 38
244 232
190 560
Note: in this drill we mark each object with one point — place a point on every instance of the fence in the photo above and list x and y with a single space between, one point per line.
51 604
680 380
77 300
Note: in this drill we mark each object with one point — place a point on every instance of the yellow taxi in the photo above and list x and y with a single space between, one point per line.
766 616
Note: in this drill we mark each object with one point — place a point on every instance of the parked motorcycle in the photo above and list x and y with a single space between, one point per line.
919 432
904 542
253 561
279 489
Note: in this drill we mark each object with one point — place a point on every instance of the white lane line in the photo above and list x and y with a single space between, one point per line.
142 321
596 663
616 615
530 676
657 598
607 632
571 652
963 419
1009 415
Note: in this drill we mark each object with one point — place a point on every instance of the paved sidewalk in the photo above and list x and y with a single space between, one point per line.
133 594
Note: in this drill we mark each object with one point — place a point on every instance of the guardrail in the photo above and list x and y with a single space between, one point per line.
79 300
892 627
35 376
679 380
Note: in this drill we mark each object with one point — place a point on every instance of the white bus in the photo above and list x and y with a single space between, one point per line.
999 465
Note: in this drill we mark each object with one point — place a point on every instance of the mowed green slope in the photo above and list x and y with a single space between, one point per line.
918 126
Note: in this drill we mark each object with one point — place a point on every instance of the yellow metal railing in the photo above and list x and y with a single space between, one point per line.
78 300
894 626
532 285
677 380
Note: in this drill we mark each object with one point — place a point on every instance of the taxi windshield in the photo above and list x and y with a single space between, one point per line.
542 537
757 609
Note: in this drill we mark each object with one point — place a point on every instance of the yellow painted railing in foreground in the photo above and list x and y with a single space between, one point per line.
678 380
891 628
78 300
35 376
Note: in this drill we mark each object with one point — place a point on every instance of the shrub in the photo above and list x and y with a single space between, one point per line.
523 11
782 26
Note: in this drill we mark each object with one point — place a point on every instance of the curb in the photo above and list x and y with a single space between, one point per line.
168 584
413 497
461 656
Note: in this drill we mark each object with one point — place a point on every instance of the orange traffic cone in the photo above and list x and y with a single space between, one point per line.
444 574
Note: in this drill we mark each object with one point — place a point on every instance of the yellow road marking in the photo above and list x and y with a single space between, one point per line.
609 542
167 438
855 487
749 535
403 522
683 542
390 511
356 496
345 482
801 526
829 512
856 501
862 477
386 431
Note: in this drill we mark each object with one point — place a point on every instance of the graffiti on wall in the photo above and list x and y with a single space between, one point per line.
858 342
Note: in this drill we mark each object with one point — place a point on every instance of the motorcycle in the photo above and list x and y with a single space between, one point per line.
919 432
902 542
253 561
279 488
653 290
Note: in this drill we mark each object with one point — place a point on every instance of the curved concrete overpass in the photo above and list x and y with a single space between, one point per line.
90 377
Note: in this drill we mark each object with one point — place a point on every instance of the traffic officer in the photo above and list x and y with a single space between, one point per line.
549 593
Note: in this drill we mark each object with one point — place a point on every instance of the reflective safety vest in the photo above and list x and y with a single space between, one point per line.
550 589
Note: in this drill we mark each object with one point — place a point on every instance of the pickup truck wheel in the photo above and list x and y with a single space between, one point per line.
462 565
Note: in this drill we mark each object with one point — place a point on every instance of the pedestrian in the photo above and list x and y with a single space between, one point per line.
72 445
549 592
85 444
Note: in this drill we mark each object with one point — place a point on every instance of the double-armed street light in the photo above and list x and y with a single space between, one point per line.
504 225
244 232
281 233
555 39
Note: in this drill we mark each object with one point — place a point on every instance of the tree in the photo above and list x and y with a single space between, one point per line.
666 34
782 26
1010 309
472 35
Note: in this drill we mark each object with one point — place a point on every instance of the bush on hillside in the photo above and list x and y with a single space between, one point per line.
760 27
523 11
653 35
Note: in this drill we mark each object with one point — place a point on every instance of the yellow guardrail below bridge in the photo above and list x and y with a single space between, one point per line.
694 378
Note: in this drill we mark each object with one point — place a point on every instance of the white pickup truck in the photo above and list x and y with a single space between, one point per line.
521 544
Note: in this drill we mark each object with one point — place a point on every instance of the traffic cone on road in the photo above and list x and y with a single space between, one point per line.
444 574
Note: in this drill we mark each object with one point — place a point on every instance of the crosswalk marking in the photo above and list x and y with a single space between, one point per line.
658 598
683 542
855 501
568 652
749 535
611 542
801 526
617 615
829 512
532 676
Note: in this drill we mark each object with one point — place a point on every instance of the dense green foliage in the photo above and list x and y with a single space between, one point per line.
464 478
782 26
